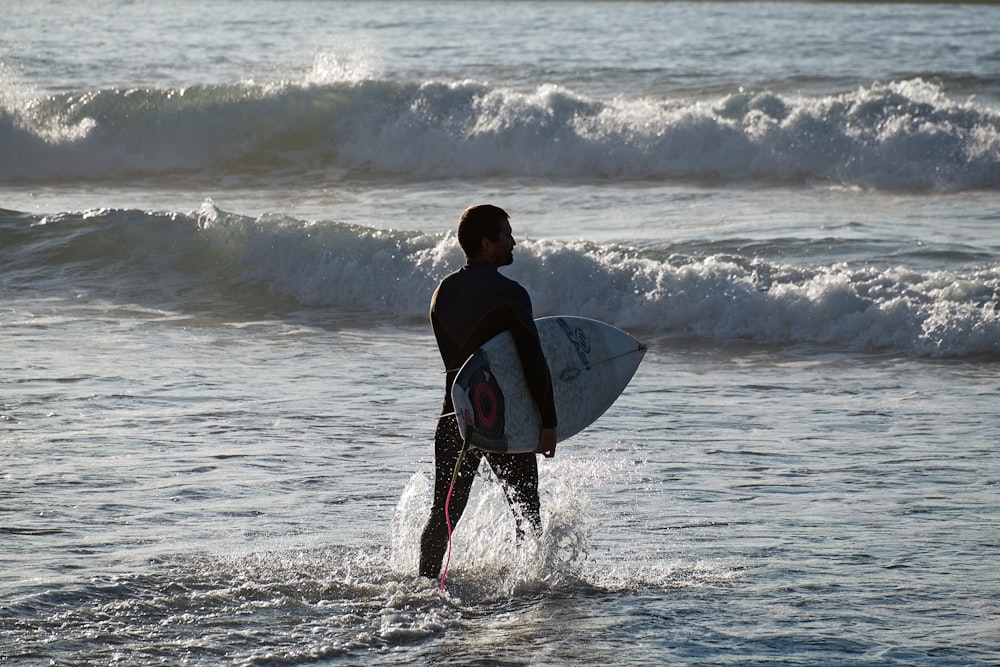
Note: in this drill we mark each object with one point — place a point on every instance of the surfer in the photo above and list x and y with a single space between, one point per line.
469 307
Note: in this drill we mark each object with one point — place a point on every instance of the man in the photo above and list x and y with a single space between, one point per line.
468 308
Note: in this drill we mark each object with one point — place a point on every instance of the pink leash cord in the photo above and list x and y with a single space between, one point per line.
447 513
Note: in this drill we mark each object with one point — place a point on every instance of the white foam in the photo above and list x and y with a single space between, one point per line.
343 119
487 564
384 274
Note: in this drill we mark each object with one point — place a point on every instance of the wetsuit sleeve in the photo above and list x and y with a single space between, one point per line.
529 348
536 369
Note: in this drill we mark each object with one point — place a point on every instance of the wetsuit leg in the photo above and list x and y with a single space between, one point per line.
519 475
447 447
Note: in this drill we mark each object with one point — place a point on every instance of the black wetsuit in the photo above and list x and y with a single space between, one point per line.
468 308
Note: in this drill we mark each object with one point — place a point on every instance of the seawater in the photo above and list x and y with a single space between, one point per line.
220 224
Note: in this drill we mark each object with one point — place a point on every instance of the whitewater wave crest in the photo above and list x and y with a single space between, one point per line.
907 135
211 260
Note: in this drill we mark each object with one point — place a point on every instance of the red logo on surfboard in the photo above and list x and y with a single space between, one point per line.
487 403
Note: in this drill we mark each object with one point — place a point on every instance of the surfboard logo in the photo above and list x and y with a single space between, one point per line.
488 404
569 373
579 341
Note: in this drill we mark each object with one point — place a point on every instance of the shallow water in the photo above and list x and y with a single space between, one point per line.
734 506
220 224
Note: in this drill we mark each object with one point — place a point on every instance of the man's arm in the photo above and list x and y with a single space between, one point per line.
536 373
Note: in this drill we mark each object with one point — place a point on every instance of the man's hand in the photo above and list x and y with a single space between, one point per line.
547 443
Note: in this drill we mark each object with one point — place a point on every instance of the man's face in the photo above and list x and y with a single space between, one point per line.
501 251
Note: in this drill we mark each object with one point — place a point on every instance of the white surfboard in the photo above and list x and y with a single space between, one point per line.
591 363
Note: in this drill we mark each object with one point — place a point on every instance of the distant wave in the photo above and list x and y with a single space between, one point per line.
907 135
211 260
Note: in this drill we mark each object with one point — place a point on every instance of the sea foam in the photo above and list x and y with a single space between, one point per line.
233 264
907 135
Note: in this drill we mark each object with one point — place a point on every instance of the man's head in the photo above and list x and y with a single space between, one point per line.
485 235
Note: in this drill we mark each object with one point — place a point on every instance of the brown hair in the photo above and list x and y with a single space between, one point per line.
479 222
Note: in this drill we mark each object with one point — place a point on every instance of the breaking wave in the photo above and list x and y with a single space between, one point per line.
213 260
906 135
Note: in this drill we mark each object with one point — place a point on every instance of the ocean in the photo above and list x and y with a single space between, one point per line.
220 226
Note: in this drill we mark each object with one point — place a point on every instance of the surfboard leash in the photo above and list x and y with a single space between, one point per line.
447 504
